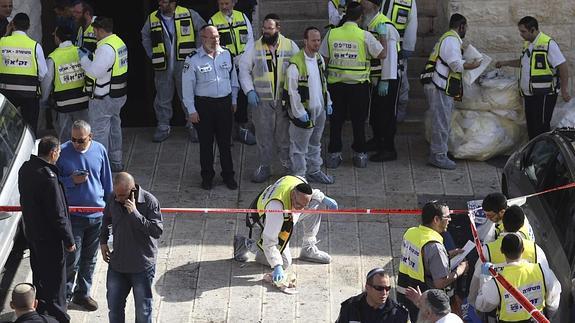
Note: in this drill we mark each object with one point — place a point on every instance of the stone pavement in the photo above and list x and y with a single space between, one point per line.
196 280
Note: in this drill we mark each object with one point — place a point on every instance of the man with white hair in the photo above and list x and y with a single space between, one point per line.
433 306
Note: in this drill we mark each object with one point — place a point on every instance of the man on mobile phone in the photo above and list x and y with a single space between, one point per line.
136 220
85 172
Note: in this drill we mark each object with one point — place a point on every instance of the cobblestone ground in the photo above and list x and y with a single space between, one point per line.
196 280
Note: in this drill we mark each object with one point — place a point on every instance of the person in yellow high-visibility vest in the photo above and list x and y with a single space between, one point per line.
424 260
541 60
22 67
106 82
347 51
262 74
494 206
63 86
535 281
169 35
83 14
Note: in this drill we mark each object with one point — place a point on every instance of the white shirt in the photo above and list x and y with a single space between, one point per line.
488 298
47 83
315 89
410 33
554 56
449 318
99 68
272 228
389 64
40 60
334 15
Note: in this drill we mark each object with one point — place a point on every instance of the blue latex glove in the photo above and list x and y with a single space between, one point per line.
329 203
278 273
382 87
253 98
83 52
329 109
381 29
406 53
304 118
342 3
485 268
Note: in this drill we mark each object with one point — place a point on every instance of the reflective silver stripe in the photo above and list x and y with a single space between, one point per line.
14 87
118 86
186 50
349 77
542 85
72 101
158 60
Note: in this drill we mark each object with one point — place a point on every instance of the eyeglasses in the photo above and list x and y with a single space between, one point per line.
381 288
80 141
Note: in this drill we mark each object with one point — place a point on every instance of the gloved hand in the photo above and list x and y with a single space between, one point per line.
342 3
304 118
329 109
253 98
278 273
329 203
382 87
406 53
83 52
381 29
485 268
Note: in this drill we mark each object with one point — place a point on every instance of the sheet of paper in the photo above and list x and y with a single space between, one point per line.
455 261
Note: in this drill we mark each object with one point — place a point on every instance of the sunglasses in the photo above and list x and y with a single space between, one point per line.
381 288
80 141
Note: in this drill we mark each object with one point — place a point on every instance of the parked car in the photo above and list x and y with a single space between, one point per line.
546 162
16 144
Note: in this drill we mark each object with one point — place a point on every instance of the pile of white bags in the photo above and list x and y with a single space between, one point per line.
564 114
489 121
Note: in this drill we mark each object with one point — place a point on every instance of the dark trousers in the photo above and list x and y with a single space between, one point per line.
348 100
241 114
383 116
49 277
538 113
28 107
215 121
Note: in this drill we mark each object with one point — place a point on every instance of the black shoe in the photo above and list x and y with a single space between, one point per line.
383 156
207 184
371 145
88 303
231 183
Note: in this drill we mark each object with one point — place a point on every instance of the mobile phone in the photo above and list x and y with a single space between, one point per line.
80 172
133 194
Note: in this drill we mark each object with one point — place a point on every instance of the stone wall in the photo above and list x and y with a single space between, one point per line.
493 26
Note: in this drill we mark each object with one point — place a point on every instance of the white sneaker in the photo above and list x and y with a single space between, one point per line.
313 254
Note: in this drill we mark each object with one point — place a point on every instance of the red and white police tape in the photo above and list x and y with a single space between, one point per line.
523 301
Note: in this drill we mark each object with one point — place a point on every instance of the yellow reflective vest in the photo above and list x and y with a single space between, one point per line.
451 83
68 92
303 86
269 74
87 38
117 86
542 78
529 280
234 35
349 61
524 231
280 191
497 257
18 66
400 14
185 41
411 266
375 68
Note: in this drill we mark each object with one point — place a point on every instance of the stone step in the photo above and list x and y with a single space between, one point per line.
295 9
294 29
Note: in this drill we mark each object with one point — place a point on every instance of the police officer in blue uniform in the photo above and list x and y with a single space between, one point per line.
47 227
210 90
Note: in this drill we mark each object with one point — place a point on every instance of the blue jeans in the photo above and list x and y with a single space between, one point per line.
118 287
81 263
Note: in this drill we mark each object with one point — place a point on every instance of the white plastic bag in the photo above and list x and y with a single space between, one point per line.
471 54
564 114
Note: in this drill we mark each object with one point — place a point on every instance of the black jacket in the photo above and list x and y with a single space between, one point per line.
34 317
351 310
44 205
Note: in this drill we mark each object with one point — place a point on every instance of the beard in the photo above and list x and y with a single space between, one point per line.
270 40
